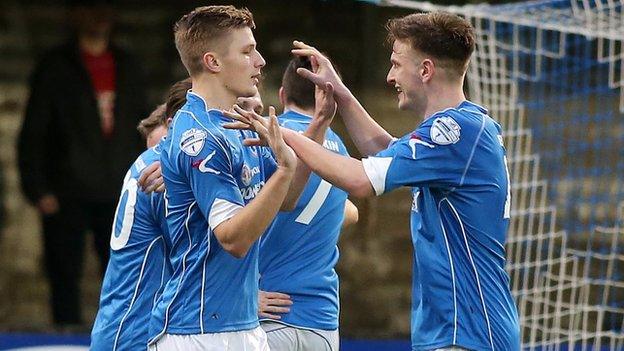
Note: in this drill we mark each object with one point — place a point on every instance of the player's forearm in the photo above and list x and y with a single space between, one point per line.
344 172
239 233
297 185
316 132
369 137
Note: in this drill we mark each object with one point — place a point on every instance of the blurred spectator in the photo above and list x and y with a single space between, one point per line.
76 143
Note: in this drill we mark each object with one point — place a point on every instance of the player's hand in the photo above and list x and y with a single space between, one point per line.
322 70
48 205
253 103
272 302
269 134
151 179
325 104
284 155
244 119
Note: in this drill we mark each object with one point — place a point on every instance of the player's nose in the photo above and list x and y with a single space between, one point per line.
390 78
260 62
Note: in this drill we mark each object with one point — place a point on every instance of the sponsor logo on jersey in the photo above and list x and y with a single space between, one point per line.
251 192
247 174
192 141
331 145
445 131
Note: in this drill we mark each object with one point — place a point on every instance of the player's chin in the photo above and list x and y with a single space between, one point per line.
403 104
251 91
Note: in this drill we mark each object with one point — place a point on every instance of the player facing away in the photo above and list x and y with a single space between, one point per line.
210 301
455 163
298 252
138 266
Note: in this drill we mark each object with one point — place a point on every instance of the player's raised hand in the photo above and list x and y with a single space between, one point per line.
249 120
270 303
323 71
269 133
284 155
325 103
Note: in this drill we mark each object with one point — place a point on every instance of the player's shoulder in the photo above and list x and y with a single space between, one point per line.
294 120
452 125
192 130
145 159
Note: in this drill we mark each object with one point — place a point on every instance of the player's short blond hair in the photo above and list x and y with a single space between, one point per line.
200 30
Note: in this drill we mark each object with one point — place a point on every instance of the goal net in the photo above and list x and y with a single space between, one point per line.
550 71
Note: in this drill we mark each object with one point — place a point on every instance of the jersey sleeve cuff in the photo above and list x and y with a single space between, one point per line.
376 169
220 211
392 141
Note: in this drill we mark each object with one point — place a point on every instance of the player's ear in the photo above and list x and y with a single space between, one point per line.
211 62
427 70
282 96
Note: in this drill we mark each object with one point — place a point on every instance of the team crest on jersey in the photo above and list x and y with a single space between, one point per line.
192 141
445 131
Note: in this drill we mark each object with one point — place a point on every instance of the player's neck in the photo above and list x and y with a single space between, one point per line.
444 98
303 111
215 95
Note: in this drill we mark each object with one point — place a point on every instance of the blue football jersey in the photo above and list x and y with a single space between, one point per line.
298 252
138 266
455 163
209 175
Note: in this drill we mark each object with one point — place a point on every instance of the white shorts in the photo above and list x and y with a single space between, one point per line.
246 340
282 337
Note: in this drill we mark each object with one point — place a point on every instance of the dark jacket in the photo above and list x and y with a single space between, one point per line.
61 149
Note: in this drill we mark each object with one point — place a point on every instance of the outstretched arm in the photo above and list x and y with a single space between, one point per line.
368 136
342 171
237 234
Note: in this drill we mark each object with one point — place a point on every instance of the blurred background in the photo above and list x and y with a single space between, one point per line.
546 84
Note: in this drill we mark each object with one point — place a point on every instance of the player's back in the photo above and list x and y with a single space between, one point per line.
138 267
208 175
298 252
